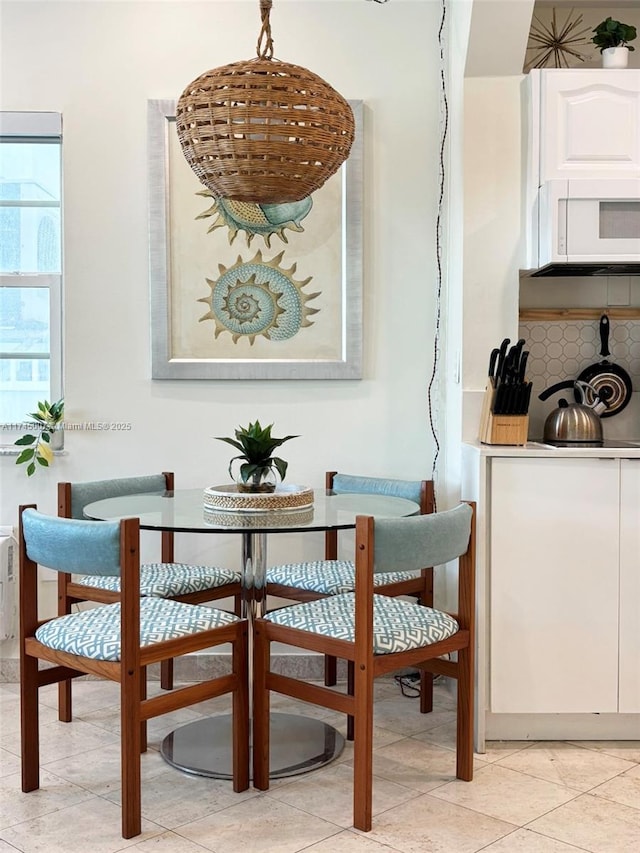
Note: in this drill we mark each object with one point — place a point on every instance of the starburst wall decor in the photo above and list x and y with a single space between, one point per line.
555 45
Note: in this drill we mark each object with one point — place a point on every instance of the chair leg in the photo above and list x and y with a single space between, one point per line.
350 689
64 687
261 703
426 678
166 674
29 724
240 712
426 692
330 671
464 733
363 750
143 724
130 725
64 701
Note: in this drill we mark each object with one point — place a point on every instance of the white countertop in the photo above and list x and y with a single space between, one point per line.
534 448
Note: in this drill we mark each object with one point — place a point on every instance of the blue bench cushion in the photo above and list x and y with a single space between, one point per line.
95 633
166 580
397 625
327 577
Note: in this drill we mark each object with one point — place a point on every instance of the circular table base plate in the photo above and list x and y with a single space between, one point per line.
298 744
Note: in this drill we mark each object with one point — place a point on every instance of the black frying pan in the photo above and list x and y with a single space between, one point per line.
612 382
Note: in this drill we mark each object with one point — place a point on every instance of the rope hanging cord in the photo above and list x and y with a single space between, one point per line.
263 130
266 51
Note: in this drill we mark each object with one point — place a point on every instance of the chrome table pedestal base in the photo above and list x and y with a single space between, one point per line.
298 744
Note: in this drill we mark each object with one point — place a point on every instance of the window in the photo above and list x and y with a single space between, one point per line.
30 262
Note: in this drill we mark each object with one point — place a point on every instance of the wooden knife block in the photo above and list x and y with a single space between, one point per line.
501 429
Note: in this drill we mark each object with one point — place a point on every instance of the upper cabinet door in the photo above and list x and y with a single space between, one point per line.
589 123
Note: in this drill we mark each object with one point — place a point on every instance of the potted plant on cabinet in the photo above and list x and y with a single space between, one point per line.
256 472
612 38
39 446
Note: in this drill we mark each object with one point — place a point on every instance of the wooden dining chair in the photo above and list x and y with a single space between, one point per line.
377 634
192 584
118 641
309 581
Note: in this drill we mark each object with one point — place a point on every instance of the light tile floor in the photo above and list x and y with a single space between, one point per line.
526 797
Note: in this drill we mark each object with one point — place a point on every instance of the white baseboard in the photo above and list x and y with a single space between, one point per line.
562 726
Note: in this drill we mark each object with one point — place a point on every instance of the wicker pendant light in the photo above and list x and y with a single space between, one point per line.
263 130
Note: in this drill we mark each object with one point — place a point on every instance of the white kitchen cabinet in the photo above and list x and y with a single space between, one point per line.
554 585
587 122
582 128
558 591
629 668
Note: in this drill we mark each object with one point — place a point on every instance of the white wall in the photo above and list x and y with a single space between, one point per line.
98 63
488 161
498 37
454 343
493 244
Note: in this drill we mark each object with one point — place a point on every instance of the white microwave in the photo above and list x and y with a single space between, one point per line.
589 221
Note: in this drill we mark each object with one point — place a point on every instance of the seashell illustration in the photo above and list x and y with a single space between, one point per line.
264 220
258 297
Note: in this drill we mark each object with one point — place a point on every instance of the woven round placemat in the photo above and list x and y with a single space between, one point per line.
229 499
257 520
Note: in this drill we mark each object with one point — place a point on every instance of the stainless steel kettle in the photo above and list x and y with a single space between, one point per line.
577 421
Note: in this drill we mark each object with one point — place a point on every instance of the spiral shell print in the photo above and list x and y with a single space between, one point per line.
264 220
258 297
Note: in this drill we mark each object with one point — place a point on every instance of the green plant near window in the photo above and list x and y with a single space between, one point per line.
612 33
256 445
37 446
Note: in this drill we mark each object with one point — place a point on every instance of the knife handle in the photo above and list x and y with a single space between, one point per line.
493 360
502 354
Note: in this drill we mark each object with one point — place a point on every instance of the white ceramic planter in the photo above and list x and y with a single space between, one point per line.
57 439
615 57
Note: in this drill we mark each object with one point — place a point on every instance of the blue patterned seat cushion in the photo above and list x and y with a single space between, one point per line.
166 580
397 625
95 633
327 577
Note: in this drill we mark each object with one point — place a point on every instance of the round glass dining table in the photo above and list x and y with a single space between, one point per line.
298 743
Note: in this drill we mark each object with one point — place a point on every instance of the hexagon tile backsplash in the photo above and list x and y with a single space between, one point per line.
561 349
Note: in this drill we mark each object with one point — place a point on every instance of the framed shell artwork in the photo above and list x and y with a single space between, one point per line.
252 291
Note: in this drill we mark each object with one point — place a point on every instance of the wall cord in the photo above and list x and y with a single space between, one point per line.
444 128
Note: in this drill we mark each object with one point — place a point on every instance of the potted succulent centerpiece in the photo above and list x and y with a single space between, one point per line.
39 446
612 38
258 466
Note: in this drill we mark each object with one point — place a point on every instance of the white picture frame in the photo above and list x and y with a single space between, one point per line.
319 261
